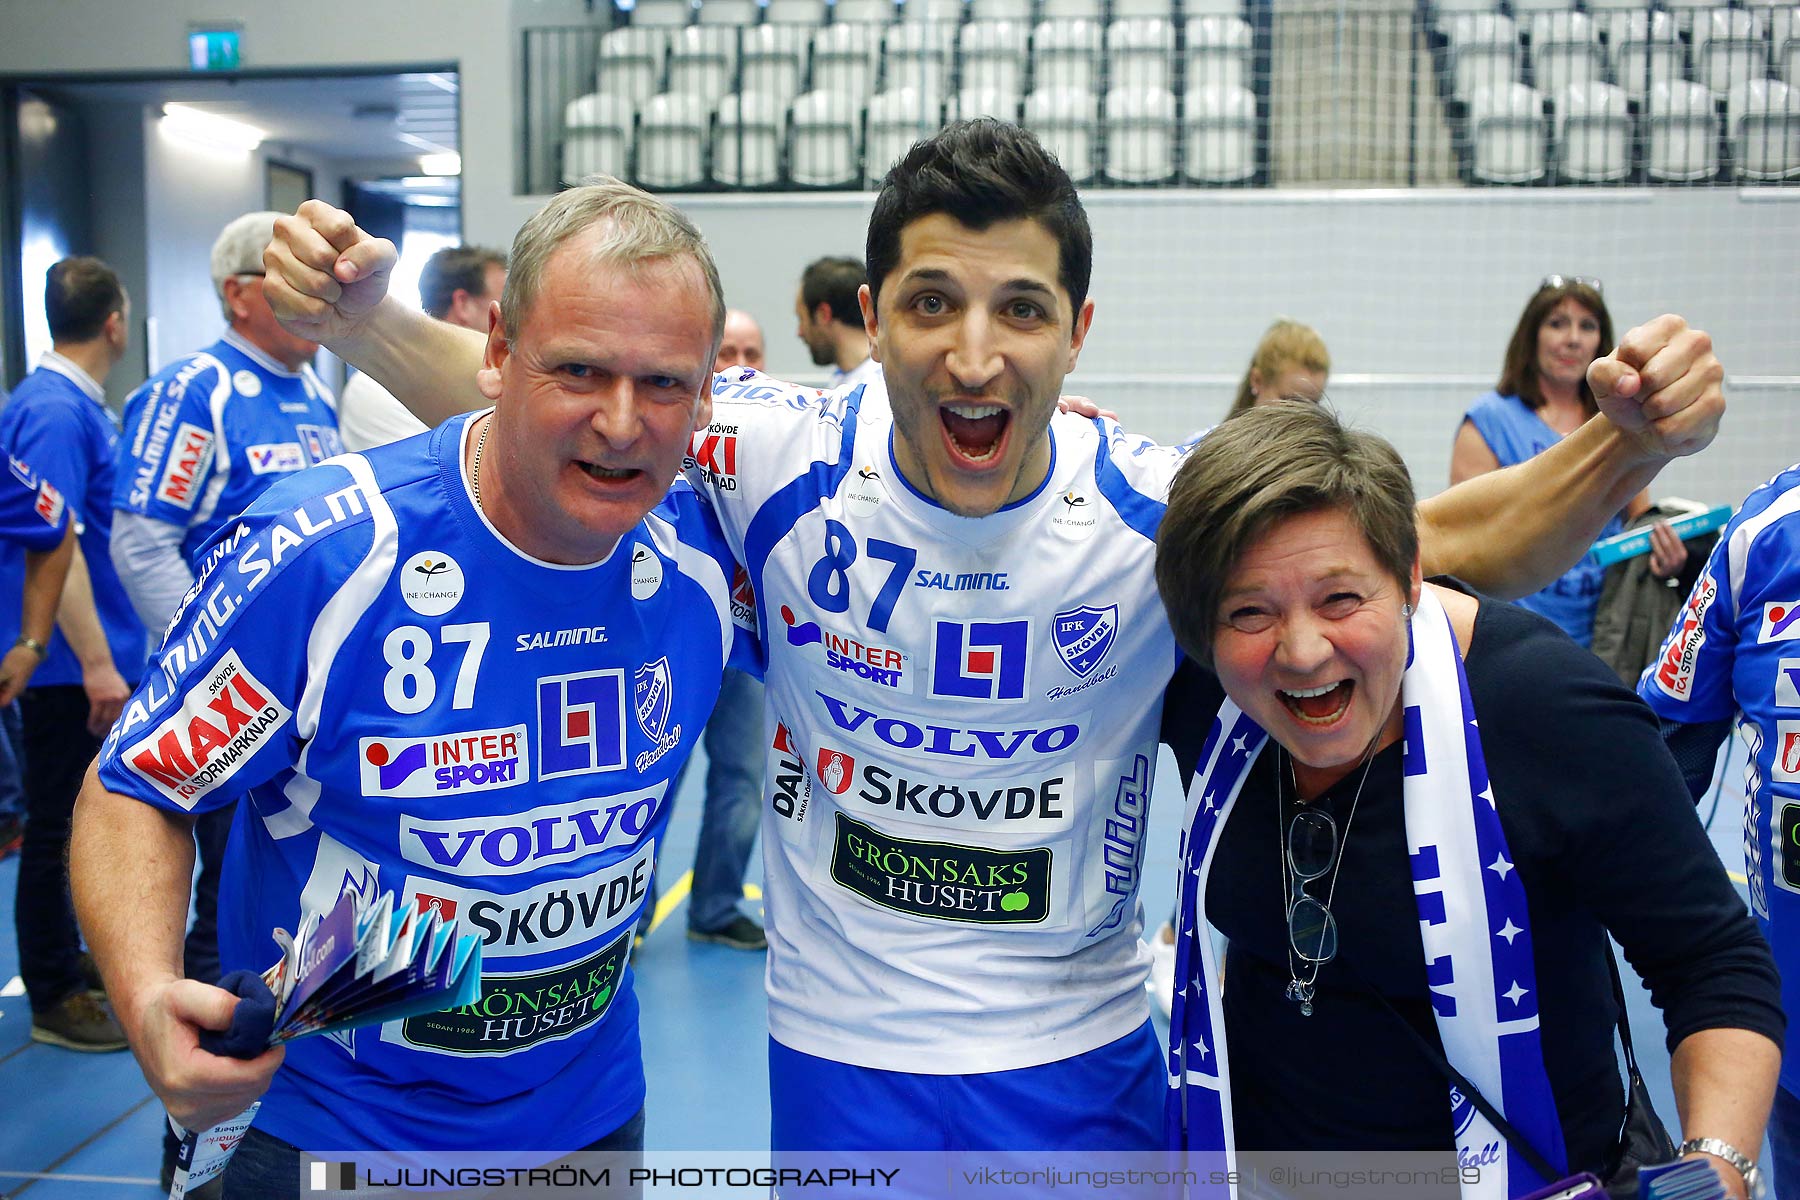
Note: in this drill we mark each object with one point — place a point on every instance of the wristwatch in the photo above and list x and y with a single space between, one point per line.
32 644
1746 1166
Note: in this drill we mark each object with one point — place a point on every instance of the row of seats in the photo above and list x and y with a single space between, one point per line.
673 14
1592 135
1636 50
1682 10
826 139
636 63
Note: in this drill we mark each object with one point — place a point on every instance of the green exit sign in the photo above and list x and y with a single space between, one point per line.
213 49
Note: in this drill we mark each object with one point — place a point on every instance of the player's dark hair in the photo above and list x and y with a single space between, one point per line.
455 267
80 293
980 172
834 282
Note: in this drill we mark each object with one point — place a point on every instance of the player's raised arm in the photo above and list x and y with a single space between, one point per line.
327 282
1512 531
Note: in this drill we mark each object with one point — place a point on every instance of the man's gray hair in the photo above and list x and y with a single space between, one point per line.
638 228
239 249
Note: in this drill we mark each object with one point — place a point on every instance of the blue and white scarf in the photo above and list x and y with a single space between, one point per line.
1472 915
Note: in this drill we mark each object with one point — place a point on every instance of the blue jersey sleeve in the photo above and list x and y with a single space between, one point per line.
53 439
690 512
167 455
32 512
1690 679
223 708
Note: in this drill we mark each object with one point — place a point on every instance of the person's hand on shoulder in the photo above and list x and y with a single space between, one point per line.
1662 386
325 274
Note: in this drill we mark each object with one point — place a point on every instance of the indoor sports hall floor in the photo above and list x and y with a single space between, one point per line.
85 1127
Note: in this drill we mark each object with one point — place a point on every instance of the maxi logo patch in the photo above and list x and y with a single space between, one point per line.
581 723
1780 623
481 760
224 719
1675 669
517 1012
189 453
1084 635
939 880
49 503
981 660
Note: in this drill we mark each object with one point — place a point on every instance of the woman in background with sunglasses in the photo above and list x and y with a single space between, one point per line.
1541 397
1410 854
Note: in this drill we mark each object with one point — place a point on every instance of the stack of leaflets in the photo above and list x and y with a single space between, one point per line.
359 964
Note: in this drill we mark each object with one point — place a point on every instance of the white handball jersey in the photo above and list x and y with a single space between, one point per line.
962 731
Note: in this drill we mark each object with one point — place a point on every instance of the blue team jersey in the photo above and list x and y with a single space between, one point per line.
1515 433
402 700
210 431
32 512
58 422
1734 653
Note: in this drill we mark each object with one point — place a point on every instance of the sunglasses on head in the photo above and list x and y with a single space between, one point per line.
1563 281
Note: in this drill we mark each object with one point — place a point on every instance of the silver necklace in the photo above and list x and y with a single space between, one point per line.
1302 990
475 462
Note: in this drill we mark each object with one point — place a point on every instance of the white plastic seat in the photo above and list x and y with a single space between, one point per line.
1787 62
596 137
1449 10
1644 51
1000 10
823 141
1213 8
918 57
809 13
934 12
747 140
1762 117
1218 53
1524 9
1729 49
631 63
661 14
844 58
671 141
1593 133
993 55
1681 129
1162 10
1219 135
972 102
773 59
896 120
1688 12
1140 53
862 12
1072 10
1485 50
1506 129
1565 49
703 60
1140 134
1603 10
727 12
1065 54
1063 118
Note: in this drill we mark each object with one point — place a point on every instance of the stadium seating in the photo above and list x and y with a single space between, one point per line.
796 12
1593 133
703 61
1506 133
1140 134
896 120
844 58
1065 54
1219 135
994 55
1762 118
1565 49
773 58
1681 132
862 12
940 12
1072 10
596 137
1140 53
671 142
747 140
662 14
727 12
1484 50
919 56
1217 53
1729 49
983 102
1645 51
1000 10
1063 119
823 141
631 63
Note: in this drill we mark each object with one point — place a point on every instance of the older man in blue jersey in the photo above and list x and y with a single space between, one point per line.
966 653
496 592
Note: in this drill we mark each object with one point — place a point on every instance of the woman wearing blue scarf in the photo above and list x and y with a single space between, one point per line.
1416 816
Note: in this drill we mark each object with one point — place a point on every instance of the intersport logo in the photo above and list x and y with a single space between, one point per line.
481 760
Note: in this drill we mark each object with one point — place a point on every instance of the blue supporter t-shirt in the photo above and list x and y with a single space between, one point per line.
1515 433
1734 654
401 700
33 513
59 423
210 431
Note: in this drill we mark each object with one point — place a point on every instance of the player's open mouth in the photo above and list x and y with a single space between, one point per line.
976 433
608 474
1319 706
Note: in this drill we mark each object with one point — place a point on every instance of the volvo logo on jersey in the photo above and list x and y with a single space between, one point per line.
981 660
934 879
581 723
479 761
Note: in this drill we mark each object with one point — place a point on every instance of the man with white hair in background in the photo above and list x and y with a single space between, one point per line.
205 436
459 285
